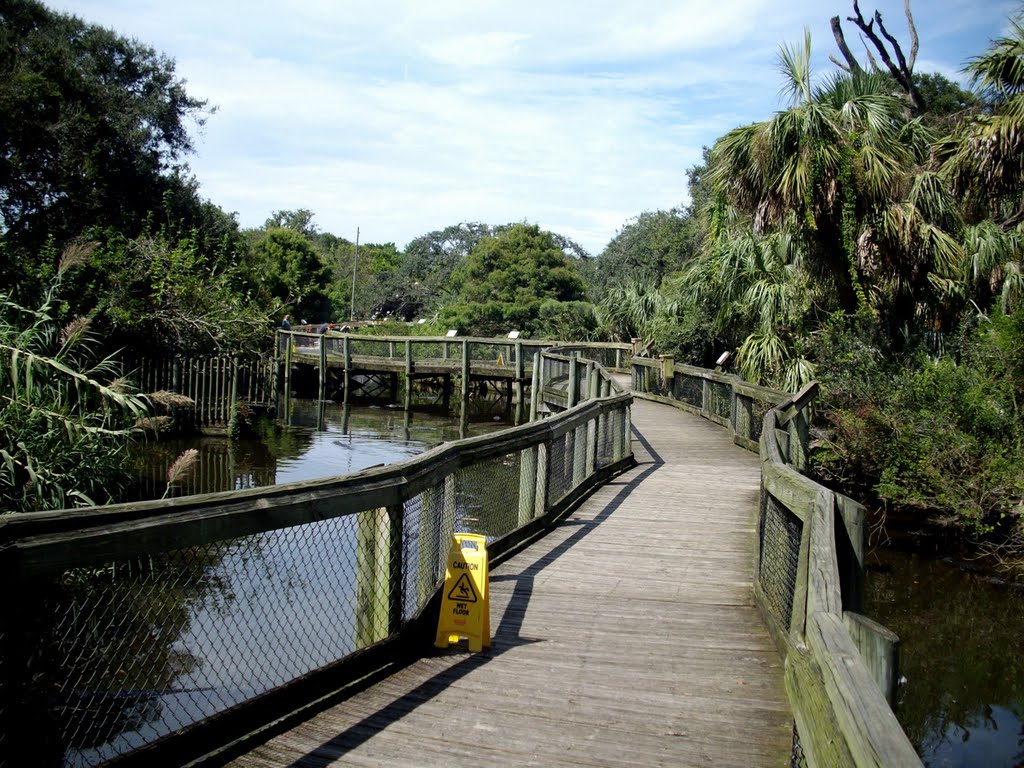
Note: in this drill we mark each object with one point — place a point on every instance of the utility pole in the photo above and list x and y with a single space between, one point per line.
355 261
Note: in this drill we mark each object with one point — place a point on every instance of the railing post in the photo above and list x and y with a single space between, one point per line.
408 374
465 375
668 372
233 405
592 424
520 373
573 390
396 580
527 485
536 385
542 478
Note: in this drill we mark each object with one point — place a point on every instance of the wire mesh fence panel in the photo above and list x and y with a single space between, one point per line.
555 368
721 399
128 652
605 448
427 350
780 532
758 410
374 348
488 496
560 461
688 389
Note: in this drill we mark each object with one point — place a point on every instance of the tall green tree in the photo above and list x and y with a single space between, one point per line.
647 248
505 279
287 269
94 125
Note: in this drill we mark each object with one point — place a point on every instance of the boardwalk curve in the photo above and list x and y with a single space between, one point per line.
628 636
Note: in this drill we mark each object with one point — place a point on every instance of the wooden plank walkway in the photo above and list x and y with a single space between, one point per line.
627 636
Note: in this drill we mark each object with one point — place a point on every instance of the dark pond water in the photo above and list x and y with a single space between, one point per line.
320 440
962 653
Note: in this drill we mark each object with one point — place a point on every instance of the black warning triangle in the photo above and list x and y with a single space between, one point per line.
463 591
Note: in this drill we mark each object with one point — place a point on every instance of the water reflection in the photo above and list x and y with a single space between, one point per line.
963 703
321 439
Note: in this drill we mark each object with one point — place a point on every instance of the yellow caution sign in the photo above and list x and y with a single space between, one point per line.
465 605
501 360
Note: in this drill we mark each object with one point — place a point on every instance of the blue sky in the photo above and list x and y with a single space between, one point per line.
403 117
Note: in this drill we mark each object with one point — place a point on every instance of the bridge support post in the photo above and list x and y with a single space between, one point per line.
346 353
287 378
408 374
464 416
446 390
322 383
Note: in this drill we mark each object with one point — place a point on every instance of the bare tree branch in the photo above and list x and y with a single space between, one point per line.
838 63
913 34
872 61
852 65
903 73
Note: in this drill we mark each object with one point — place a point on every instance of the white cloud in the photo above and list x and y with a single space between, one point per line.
403 117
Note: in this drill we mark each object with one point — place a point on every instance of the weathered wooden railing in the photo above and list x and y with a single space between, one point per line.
156 632
214 384
512 353
840 665
509 360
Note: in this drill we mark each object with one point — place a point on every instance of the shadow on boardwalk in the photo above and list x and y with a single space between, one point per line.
640 648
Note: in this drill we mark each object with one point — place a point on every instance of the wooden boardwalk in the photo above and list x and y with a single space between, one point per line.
628 636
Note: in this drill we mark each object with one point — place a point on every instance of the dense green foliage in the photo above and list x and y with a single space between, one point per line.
64 413
943 435
507 278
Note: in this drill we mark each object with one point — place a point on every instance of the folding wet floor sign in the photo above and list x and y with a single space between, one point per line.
465 603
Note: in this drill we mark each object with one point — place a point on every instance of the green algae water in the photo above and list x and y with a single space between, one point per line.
962 654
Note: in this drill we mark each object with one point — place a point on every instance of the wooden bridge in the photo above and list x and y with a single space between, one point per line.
662 595
627 636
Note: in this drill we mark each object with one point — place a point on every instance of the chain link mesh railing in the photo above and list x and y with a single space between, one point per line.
122 642
780 532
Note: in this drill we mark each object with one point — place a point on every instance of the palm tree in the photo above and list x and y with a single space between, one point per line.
984 157
983 161
842 170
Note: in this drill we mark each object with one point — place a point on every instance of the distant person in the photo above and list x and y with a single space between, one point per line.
285 325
